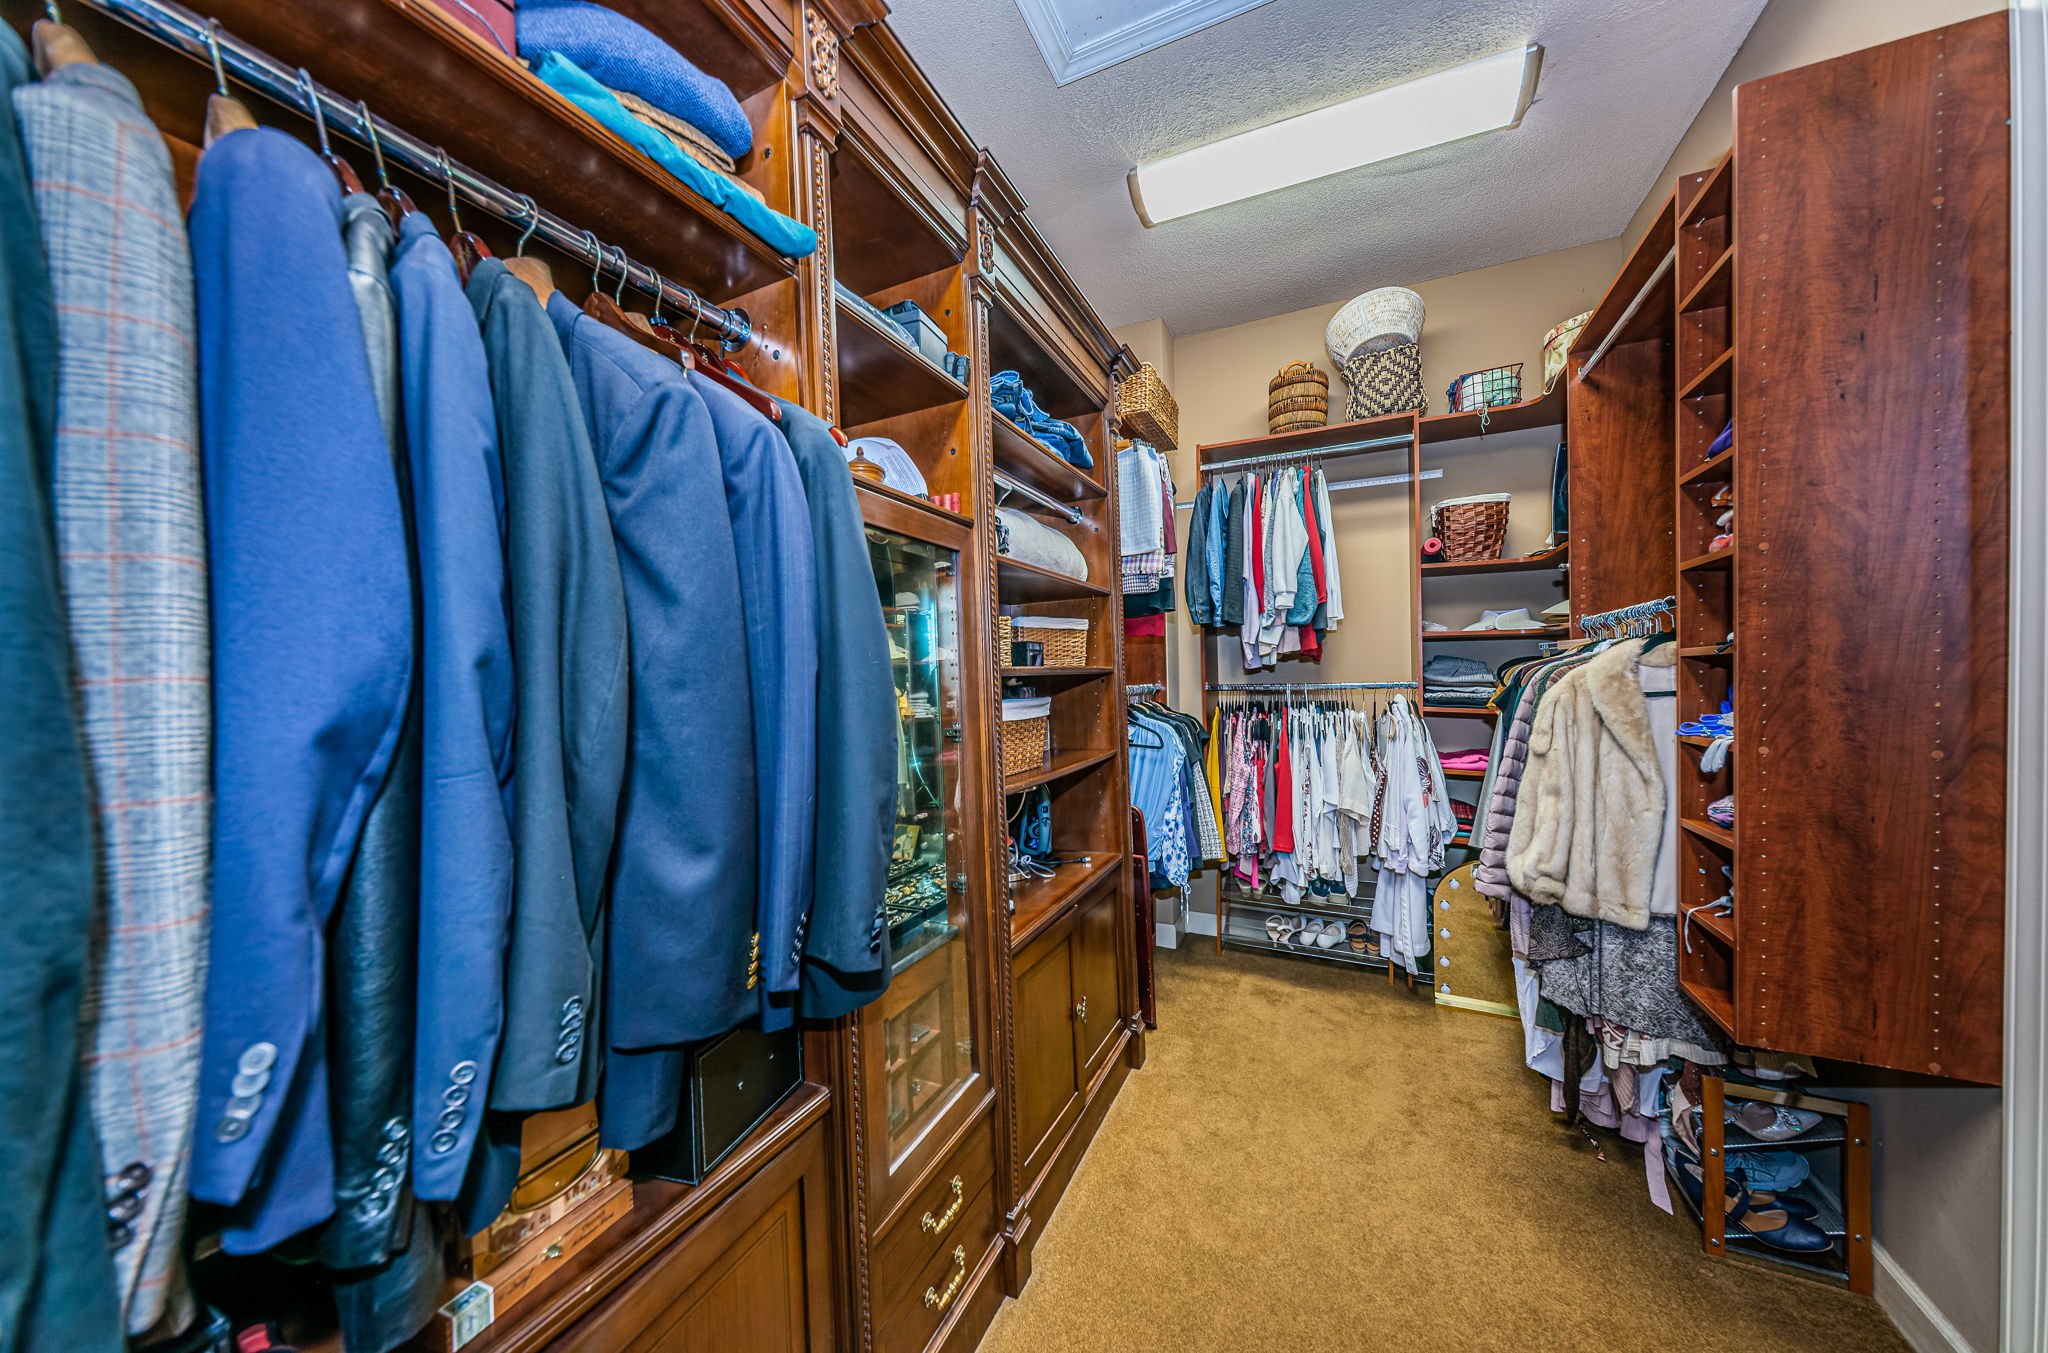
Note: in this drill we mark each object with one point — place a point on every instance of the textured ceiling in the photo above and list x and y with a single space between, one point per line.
1621 82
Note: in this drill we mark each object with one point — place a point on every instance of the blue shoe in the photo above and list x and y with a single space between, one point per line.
1774 1226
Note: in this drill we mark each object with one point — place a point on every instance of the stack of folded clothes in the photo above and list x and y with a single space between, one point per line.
652 97
1006 390
1451 680
1474 759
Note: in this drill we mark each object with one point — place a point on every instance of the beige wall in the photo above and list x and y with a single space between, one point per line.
1793 33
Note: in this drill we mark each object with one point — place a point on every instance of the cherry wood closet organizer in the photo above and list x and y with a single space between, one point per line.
817 1233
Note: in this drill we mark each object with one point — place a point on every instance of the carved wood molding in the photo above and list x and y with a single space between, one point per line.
821 54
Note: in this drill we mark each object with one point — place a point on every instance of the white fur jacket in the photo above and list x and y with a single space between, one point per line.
1590 814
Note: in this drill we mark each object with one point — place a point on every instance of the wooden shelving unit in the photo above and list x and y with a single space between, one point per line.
1529 563
1467 636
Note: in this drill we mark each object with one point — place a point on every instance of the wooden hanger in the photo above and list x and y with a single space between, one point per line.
396 204
606 310
343 174
224 112
57 43
714 368
469 249
531 271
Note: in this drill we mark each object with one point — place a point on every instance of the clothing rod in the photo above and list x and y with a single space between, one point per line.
1009 485
1375 482
1314 686
1642 610
1142 688
1320 453
181 28
1628 314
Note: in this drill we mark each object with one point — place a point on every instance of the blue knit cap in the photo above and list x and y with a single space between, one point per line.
620 54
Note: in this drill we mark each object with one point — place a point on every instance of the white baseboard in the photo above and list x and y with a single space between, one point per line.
1920 1321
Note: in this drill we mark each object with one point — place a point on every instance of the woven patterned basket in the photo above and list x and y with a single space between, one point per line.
1299 397
1470 528
1146 409
1027 743
1374 322
1065 646
1384 383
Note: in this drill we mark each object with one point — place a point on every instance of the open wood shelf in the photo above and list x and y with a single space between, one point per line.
1039 902
1313 439
1062 765
1017 582
1021 457
1720 927
1450 774
1652 318
1707 831
1716 290
888 494
1056 673
1712 380
1712 559
1714 1002
881 375
1457 712
1721 467
1434 636
1707 652
1546 410
1691 741
1713 196
1528 563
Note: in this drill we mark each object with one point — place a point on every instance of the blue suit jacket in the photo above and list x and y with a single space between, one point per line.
682 914
771 524
846 949
458 505
312 657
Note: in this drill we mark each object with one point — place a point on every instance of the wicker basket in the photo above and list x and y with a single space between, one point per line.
1066 641
1488 389
1025 735
1556 344
1005 636
1374 322
1470 528
1299 397
1146 409
1385 382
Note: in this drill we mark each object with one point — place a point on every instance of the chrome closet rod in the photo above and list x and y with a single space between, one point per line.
1629 313
1621 615
1319 453
1142 688
1377 481
1314 686
199 38
1016 486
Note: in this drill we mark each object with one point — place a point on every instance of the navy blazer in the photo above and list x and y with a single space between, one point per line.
682 914
465 894
312 656
764 496
846 949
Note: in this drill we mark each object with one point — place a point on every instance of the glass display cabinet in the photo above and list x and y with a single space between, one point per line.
928 1051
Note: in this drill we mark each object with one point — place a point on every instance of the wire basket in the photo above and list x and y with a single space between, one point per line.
1470 528
1488 389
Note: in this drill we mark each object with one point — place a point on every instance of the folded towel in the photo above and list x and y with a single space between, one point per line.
692 139
622 54
778 232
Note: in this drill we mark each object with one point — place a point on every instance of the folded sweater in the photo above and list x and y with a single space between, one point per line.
623 55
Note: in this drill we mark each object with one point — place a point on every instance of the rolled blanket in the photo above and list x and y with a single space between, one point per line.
1024 537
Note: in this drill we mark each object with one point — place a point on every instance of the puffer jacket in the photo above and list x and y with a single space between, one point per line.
1590 815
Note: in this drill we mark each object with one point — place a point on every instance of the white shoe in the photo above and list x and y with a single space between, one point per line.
1517 619
1432 627
1310 931
1771 1122
1332 936
1488 620
1558 612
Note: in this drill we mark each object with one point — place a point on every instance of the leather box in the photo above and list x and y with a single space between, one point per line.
490 20
733 1082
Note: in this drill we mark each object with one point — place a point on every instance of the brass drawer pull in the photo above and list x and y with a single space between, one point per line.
1081 1008
936 1226
934 1297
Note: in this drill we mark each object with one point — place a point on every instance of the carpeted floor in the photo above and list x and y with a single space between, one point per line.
1312 1162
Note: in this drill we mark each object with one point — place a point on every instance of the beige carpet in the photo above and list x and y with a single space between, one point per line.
1312 1162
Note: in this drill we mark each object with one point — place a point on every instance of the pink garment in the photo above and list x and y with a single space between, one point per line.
1472 760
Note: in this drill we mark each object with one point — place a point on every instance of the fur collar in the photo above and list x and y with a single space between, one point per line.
1617 694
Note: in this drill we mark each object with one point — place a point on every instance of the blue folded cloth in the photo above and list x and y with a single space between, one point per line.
620 54
1012 399
777 231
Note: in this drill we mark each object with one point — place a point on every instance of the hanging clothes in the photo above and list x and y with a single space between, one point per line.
1267 563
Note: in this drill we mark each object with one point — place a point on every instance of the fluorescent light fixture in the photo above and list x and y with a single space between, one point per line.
1480 96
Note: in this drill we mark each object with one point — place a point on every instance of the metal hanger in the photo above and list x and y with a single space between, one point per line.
224 112
469 248
396 204
343 173
532 271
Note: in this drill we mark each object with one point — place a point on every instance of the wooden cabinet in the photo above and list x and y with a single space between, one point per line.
1068 1005
1098 956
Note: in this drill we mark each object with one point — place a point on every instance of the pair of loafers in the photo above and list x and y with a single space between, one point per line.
1781 1222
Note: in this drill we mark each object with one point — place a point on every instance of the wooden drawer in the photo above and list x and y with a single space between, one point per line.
906 1321
926 1224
